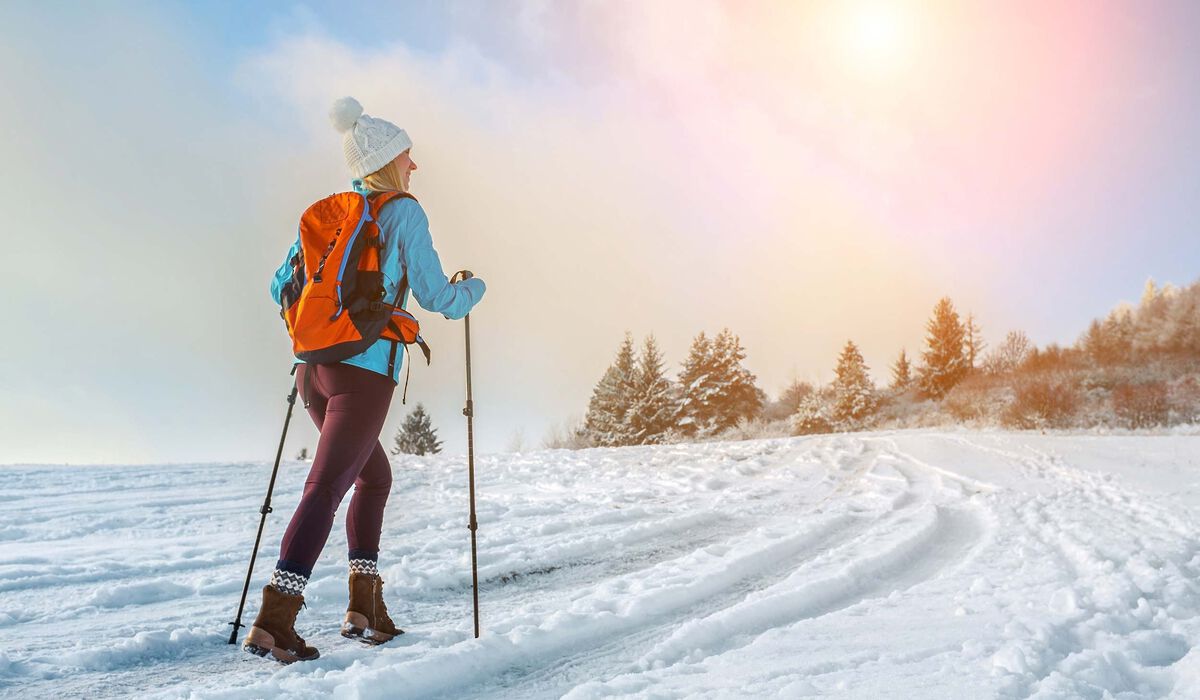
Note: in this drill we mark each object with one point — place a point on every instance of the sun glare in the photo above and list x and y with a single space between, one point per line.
877 36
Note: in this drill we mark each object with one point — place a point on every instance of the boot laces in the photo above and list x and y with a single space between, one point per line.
301 645
381 607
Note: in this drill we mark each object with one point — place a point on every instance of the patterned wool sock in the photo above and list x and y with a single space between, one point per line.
288 582
363 562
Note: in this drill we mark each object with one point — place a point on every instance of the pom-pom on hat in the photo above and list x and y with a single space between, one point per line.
370 143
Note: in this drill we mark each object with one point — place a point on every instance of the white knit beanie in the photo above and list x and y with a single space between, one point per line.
370 143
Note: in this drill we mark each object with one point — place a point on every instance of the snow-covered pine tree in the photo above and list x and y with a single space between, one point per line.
854 399
652 409
602 424
1151 332
1166 322
416 435
1183 323
814 415
694 415
606 424
1119 330
945 361
1094 343
901 372
1150 292
737 396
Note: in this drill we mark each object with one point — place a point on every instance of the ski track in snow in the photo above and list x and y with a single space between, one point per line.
899 564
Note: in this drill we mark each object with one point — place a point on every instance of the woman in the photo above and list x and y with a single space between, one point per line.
348 402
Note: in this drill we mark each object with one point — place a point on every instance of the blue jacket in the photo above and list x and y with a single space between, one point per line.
407 246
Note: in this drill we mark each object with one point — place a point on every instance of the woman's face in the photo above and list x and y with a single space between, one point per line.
405 164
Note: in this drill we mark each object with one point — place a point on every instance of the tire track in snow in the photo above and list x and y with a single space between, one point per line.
662 613
943 536
634 610
940 538
849 466
946 539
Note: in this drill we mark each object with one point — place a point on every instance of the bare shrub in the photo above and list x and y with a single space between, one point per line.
1141 405
1185 400
1052 358
1009 355
1042 402
789 401
756 429
903 409
979 397
568 435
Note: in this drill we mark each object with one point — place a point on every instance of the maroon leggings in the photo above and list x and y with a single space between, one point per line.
348 405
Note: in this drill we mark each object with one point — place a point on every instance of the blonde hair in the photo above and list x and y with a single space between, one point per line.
386 179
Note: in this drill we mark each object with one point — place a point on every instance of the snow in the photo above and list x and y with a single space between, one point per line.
914 564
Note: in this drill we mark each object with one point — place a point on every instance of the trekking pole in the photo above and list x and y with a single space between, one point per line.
469 412
266 508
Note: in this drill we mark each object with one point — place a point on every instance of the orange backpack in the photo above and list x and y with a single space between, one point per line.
334 307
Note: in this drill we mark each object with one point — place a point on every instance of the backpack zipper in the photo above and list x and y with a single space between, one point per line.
366 216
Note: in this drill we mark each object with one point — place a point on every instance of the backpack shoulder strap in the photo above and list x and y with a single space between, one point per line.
377 201
381 198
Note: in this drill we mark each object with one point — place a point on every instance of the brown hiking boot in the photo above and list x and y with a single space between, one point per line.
366 616
274 630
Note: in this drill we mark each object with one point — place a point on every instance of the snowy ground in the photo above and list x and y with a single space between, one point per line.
897 565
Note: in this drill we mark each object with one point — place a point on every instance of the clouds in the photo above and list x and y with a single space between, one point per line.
606 166
637 201
126 208
669 167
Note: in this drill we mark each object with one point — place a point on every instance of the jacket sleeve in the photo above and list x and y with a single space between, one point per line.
284 273
425 276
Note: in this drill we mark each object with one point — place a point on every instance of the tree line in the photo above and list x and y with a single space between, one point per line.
1137 367
635 403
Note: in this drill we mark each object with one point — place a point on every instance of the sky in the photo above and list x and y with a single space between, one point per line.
802 173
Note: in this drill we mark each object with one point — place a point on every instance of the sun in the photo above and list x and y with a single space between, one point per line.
877 36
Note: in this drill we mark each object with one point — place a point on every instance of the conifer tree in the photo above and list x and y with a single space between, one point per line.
697 387
1118 332
652 406
813 415
1150 292
416 435
854 398
901 372
945 362
973 342
1094 343
606 423
602 424
737 395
